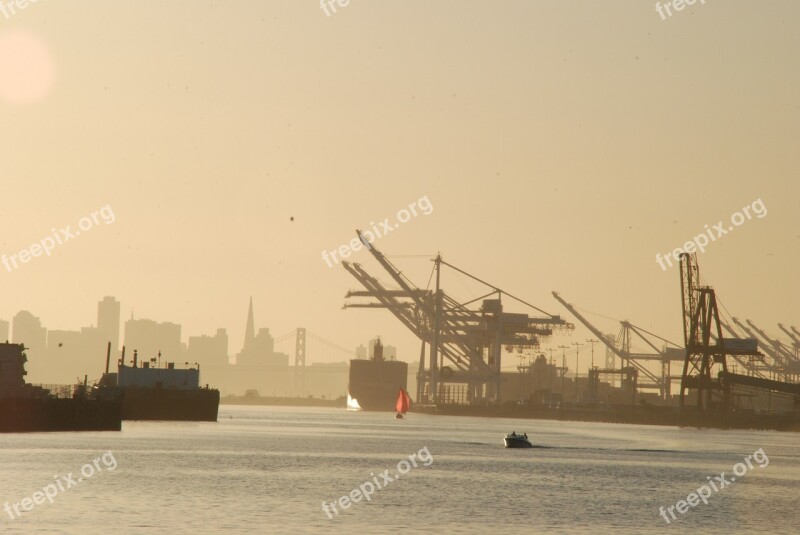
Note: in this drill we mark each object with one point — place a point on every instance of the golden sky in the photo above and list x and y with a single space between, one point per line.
561 144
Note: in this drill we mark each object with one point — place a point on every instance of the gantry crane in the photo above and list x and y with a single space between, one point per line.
706 367
778 365
704 356
791 364
622 348
755 365
792 336
470 341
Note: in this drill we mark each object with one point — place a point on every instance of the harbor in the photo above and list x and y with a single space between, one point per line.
407 267
726 382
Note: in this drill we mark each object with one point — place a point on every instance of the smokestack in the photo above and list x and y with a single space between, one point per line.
108 356
135 357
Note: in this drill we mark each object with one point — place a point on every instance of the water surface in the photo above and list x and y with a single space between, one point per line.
269 469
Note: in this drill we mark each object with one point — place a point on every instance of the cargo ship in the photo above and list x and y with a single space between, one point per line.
150 392
26 408
373 384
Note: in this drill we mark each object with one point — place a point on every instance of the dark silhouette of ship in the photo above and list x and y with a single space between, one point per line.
374 383
25 407
150 392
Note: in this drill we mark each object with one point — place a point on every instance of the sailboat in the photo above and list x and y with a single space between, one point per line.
352 403
403 402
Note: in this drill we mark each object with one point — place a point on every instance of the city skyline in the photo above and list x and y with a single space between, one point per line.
149 337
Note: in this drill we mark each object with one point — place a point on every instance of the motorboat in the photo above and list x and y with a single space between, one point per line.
513 440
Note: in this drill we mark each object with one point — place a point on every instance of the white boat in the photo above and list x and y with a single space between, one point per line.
513 440
352 404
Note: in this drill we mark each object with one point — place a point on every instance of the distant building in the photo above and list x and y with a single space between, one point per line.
208 351
28 330
257 366
70 355
361 352
108 321
150 338
64 342
259 350
4 331
94 345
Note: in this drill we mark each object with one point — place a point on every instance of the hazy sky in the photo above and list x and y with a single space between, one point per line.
561 144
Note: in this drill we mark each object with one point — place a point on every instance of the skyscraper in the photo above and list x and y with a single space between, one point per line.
108 321
250 328
258 349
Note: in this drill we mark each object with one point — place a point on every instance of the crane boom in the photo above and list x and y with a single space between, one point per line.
625 356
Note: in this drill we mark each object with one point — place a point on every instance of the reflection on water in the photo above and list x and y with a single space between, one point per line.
269 470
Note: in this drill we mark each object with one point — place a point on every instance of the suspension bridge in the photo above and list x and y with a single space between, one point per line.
308 347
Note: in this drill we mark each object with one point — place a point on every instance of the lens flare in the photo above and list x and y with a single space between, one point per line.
27 70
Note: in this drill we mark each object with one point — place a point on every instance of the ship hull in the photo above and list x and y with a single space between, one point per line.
375 384
201 405
517 442
21 415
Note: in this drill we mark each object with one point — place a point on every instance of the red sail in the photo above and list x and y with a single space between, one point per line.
403 402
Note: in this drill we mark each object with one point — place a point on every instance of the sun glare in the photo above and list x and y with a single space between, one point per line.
27 71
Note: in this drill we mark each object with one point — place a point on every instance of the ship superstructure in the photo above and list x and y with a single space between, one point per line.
152 392
374 383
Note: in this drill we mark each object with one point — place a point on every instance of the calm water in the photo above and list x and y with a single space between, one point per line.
268 470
